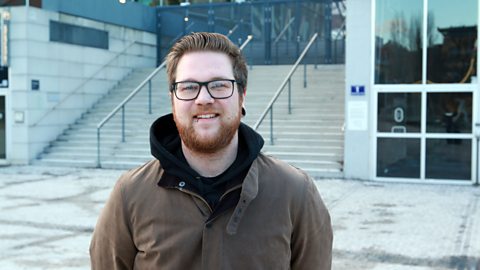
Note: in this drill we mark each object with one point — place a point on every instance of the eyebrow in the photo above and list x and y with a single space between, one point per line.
211 79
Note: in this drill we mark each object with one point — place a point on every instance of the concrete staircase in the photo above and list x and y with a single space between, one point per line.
310 138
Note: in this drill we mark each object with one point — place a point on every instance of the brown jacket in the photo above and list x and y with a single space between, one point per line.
280 222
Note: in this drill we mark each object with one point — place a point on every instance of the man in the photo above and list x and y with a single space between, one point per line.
211 200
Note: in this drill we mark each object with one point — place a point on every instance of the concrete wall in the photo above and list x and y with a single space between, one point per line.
62 70
358 162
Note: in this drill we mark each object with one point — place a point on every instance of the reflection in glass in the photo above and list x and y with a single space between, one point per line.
399 112
398 41
448 159
2 128
449 112
398 157
452 35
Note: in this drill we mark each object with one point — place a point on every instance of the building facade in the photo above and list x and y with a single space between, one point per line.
411 90
55 64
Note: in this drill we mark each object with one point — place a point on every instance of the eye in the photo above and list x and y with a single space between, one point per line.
187 87
219 85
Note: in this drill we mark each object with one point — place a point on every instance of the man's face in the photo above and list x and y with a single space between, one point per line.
206 125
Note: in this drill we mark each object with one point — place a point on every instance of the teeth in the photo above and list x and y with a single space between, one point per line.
206 116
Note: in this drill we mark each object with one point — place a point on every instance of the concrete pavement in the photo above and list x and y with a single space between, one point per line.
48 214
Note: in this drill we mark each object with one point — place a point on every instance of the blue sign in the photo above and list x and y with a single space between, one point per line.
357 90
35 85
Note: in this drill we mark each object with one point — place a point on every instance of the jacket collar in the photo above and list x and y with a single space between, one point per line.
249 191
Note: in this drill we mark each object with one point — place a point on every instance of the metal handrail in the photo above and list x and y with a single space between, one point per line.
122 107
230 32
180 35
131 95
249 37
118 54
287 79
277 39
284 30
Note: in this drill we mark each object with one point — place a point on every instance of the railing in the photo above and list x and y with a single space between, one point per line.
277 39
122 104
230 32
180 35
269 107
94 74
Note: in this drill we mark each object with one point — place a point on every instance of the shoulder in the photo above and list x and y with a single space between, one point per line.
136 181
278 176
274 169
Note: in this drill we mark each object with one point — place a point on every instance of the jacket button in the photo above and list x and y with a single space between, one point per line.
181 184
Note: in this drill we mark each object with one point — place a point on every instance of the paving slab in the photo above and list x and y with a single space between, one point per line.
48 215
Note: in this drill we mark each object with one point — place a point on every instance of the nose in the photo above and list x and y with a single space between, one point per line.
204 96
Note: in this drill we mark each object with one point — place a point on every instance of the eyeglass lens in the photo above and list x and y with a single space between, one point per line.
217 89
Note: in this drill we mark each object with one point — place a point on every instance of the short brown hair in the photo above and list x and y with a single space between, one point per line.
203 41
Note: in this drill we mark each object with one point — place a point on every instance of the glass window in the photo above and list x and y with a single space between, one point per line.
399 112
452 36
398 41
448 159
2 128
398 157
449 112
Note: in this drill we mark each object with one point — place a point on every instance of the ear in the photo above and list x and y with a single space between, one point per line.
244 95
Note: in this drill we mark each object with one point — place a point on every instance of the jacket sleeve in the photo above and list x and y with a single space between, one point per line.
112 246
312 237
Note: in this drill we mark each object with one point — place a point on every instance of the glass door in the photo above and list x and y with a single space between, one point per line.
425 83
3 154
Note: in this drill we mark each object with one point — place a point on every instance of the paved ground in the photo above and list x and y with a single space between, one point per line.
48 214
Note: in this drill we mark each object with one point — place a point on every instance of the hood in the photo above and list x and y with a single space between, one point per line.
165 145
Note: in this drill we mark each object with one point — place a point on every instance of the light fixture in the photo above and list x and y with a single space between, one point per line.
122 1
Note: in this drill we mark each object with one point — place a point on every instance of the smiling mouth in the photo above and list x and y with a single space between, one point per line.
205 116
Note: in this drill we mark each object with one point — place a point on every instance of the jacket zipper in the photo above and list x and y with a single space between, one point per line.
198 196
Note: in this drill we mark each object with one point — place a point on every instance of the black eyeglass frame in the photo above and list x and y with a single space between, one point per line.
173 88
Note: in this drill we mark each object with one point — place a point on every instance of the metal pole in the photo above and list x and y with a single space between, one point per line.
477 180
251 55
98 148
271 125
298 47
289 97
276 53
150 96
123 123
304 74
477 135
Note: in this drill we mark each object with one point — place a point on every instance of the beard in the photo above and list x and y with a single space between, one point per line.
222 138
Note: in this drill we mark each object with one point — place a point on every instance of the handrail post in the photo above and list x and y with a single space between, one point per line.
98 148
122 104
150 96
271 125
123 123
304 74
289 96
251 56
287 79
276 53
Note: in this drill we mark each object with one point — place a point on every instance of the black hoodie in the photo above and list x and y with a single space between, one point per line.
165 145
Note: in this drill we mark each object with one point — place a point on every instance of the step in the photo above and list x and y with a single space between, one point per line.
311 137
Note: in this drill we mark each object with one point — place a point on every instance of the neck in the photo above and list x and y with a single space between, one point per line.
212 164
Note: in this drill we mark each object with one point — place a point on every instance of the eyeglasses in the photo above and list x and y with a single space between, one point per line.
189 90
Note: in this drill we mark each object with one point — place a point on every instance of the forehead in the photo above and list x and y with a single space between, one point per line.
204 65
